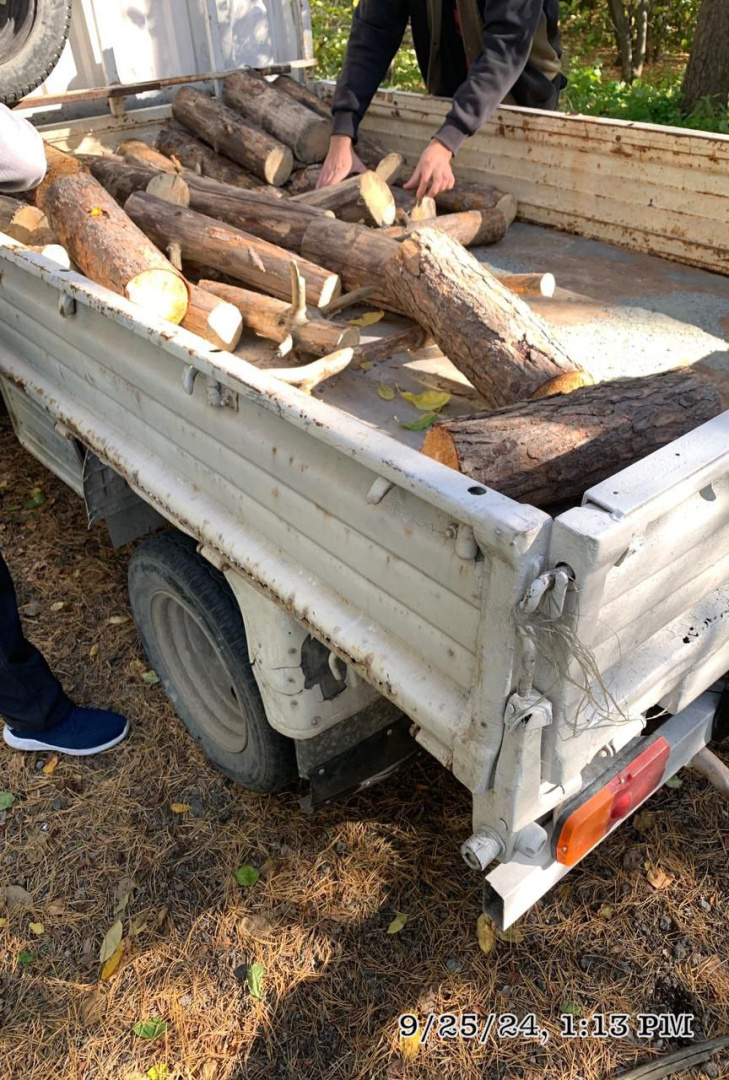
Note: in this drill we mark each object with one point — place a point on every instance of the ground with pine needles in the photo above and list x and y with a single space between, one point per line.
91 840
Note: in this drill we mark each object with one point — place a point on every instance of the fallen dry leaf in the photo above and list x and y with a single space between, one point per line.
368 319
17 896
111 941
514 935
50 766
92 1008
117 620
409 1047
113 962
180 808
398 923
57 606
93 651
643 821
37 928
486 933
657 877
258 926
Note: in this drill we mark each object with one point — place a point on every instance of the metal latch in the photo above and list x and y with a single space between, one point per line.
553 582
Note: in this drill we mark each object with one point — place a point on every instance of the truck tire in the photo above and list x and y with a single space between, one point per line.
194 636
32 36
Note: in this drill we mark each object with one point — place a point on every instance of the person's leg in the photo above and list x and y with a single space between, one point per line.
31 697
38 714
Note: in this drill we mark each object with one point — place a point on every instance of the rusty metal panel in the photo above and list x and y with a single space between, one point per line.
662 191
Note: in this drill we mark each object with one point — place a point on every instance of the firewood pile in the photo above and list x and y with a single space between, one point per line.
220 228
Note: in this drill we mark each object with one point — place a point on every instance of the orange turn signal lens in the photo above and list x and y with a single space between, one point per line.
594 818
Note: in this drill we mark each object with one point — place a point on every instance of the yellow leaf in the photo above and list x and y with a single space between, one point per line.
514 935
386 392
37 928
409 1046
657 877
486 934
93 651
50 766
117 620
111 941
429 400
113 962
3 922
606 911
398 923
180 808
365 365
368 319
643 821
98 211
57 606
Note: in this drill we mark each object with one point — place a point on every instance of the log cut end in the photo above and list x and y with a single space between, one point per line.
441 446
507 205
213 319
313 142
160 291
376 196
563 384
278 165
170 187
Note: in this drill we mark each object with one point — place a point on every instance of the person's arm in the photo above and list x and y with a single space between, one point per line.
378 27
509 32
22 157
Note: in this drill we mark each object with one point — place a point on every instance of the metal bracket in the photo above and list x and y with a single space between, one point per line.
66 306
555 582
220 396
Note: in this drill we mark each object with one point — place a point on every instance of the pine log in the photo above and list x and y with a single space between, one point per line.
529 284
365 195
407 339
277 112
212 318
208 242
57 164
304 180
471 196
470 227
308 376
227 132
26 223
369 151
137 152
180 146
171 187
506 351
110 249
390 168
276 320
8 209
356 253
120 178
550 451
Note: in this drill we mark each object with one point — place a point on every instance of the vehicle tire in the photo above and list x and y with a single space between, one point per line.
32 36
195 639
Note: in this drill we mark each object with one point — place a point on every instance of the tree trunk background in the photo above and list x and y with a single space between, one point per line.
707 73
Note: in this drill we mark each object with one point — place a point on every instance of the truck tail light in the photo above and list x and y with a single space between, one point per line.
601 809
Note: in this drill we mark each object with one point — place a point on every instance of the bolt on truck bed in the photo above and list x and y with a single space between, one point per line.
548 662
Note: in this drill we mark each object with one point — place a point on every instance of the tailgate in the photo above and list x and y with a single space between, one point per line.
649 549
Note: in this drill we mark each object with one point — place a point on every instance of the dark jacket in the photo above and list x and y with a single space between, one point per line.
512 45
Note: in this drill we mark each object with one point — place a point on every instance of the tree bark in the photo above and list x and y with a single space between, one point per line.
641 37
208 242
409 338
213 319
365 195
180 146
471 196
506 351
120 178
470 227
623 36
275 319
226 131
369 151
295 125
23 222
57 164
110 249
550 451
356 253
137 152
707 73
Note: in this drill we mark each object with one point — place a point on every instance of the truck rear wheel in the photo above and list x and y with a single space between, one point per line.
32 36
194 636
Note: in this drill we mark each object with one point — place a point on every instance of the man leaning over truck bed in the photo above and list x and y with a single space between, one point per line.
477 52
37 712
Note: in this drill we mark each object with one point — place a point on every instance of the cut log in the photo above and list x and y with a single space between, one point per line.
27 224
276 320
277 112
225 130
55 253
209 242
411 209
365 195
506 351
181 147
171 187
212 318
120 178
369 151
356 253
58 164
553 450
529 284
8 209
304 180
137 152
390 168
470 228
110 249
470 196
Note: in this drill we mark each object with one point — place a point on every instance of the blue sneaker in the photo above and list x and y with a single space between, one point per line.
82 733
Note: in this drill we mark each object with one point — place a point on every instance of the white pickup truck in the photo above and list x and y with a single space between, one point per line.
325 600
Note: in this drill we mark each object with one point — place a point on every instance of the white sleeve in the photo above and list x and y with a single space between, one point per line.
22 157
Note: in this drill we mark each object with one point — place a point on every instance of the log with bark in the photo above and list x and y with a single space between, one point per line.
470 227
120 178
212 318
171 187
138 152
23 222
292 123
110 249
368 149
209 242
407 338
552 450
271 318
364 196
411 209
535 285
471 196
182 148
225 130
57 164
356 253
506 351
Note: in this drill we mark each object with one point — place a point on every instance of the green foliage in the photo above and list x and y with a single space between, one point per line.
331 20
671 25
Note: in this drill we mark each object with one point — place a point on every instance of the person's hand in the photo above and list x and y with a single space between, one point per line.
340 162
433 172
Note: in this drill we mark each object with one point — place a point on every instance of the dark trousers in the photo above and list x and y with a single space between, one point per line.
31 697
